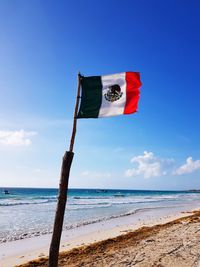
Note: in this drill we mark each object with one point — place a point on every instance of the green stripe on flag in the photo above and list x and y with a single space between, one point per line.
91 98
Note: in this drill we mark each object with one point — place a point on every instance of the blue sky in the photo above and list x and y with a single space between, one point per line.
43 44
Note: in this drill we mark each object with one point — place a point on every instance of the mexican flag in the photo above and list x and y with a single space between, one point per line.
109 95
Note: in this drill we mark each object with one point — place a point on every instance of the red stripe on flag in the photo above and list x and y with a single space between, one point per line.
133 84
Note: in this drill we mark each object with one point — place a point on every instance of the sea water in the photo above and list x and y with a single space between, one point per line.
26 212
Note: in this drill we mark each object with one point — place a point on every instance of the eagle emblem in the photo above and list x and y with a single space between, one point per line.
114 93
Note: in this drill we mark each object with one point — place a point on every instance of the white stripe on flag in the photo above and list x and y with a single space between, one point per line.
109 108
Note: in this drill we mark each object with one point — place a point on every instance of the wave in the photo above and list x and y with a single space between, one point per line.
7 204
45 197
36 232
111 217
117 201
92 197
88 207
88 202
76 205
79 205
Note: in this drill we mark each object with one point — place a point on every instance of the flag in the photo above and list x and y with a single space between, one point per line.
109 95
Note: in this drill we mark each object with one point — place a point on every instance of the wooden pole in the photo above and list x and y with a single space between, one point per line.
75 113
63 188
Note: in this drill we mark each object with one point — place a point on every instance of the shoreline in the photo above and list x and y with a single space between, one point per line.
21 251
122 217
171 244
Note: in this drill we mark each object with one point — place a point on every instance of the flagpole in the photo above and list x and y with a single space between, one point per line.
75 113
63 188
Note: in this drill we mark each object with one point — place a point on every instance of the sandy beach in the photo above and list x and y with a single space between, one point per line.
167 241
175 243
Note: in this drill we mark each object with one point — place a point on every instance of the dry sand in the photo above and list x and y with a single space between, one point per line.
173 244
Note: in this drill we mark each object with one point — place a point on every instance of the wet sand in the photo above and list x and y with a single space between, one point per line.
172 244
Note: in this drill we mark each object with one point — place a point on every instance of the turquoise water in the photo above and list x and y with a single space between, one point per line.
26 212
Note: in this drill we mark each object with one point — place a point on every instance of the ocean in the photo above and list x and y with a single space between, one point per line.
27 212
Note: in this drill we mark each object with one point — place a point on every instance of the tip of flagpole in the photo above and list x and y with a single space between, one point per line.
79 75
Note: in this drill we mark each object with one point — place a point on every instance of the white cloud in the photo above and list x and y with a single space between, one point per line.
189 167
149 166
16 138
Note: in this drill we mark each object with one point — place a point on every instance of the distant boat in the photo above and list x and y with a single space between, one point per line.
6 192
